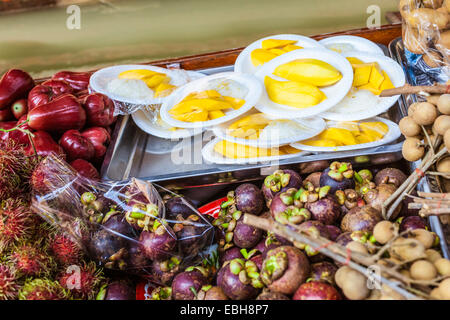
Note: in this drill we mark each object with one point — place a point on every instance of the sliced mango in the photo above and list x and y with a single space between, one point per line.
293 93
289 150
215 114
253 119
156 80
312 71
194 116
261 56
354 60
163 90
341 136
370 88
238 151
236 103
207 105
321 143
387 83
376 76
276 43
361 74
291 47
277 51
138 74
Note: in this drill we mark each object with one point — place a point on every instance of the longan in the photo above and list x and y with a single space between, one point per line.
408 127
442 124
443 267
443 103
384 231
425 114
424 236
423 270
432 255
357 246
412 149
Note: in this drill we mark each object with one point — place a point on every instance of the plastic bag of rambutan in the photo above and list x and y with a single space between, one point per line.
122 225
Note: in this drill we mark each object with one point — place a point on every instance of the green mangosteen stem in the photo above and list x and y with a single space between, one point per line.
358 177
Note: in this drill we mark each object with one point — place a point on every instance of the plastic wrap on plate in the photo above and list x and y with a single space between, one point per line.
426 36
122 225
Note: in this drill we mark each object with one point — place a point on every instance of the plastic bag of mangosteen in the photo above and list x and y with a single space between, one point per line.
122 225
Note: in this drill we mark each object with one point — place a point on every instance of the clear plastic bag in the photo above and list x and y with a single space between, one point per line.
426 36
121 225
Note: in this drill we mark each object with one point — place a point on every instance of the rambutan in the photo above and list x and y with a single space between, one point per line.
64 249
16 222
42 289
82 281
30 260
39 179
9 286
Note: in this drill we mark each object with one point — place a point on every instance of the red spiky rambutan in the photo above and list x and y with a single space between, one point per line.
64 249
16 222
82 281
9 286
42 289
31 260
38 180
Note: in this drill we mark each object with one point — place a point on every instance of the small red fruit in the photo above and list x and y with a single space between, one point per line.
86 169
19 108
76 146
30 260
42 289
9 286
316 290
16 222
100 138
6 115
64 249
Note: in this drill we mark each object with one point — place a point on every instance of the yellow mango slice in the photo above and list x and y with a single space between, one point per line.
312 71
293 93
199 104
361 74
163 90
277 51
291 47
236 103
138 74
364 138
321 143
261 56
215 114
276 43
238 151
255 119
342 136
370 88
156 80
387 83
376 76
353 127
203 95
287 149
380 127
194 116
354 60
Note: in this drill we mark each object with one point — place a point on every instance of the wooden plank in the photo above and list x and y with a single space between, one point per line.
7 6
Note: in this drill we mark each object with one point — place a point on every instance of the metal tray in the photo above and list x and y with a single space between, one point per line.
130 155
430 184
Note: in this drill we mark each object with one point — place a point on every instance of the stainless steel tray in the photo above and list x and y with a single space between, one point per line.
430 184
130 155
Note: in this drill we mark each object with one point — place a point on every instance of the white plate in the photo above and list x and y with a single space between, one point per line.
100 79
312 127
395 73
147 125
237 85
392 135
244 64
355 43
334 93
210 155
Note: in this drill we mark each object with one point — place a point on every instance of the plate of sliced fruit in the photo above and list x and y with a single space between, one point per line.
351 135
372 73
140 84
304 83
211 100
226 152
259 130
263 50
344 44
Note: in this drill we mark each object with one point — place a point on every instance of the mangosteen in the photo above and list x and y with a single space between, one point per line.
280 181
118 290
339 176
215 293
249 199
361 219
314 228
349 199
325 209
141 215
334 232
376 197
412 223
246 236
312 179
161 293
193 235
347 237
177 206
136 258
230 254
316 290
323 271
118 224
163 272
390 176
344 238
239 279
314 166
159 243
286 207
186 285
284 269
108 248
269 295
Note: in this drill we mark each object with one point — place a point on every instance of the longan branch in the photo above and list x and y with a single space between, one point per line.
408 89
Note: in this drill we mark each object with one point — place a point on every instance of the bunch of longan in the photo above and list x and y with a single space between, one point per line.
434 116
426 29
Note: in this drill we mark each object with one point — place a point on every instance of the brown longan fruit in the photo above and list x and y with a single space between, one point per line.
435 294
444 289
412 149
432 255
425 114
423 270
354 286
407 249
340 275
447 139
412 108
424 236
433 99
390 294
441 124
443 103
443 165
384 231
357 246
408 127
443 267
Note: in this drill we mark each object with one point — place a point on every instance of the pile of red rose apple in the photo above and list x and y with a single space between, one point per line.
58 115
